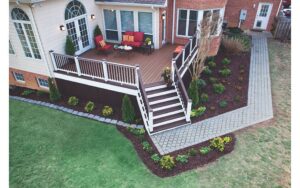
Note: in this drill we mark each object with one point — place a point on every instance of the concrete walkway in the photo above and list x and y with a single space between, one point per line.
258 109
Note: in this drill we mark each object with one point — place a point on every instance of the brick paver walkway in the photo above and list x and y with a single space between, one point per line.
259 108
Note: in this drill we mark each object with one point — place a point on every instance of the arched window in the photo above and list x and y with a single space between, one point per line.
26 35
74 9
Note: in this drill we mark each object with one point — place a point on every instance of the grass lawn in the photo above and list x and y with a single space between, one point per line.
49 148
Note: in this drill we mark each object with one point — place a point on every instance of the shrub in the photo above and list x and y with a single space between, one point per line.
205 150
226 61
69 48
73 101
239 88
211 58
107 111
192 152
207 71
241 78
54 94
155 157
217 143
128 114
213 80
223 103
147 147
234 45
27 92
212 64
201 83
89 107
41 93
97 31
167 162
182 159
227 139
136 132
237 98
198 112
194 92
204 97
225 72
219 88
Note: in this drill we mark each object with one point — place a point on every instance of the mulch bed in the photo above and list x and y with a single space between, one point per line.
234 87
194 161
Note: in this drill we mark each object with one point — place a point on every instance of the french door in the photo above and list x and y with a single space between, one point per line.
262 16
78 31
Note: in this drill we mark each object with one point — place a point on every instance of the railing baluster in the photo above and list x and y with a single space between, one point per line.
104 65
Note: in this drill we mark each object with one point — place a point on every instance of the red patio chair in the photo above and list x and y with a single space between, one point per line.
106 48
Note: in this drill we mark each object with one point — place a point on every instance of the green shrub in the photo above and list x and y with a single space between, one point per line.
227 139
69 48
217 143
27 92
226 61
201 83
225 72
237 98
147 147
136 132
198 112
73 101
41 93
155 157
211 58
182 159
219 88
107 111
89 107
193 92
212 64
192 152
205 150
223 103
207 71
213 80
204 97
97 31
167 162
54 94
128 114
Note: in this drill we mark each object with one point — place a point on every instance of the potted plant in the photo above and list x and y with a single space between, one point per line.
167 76
148 41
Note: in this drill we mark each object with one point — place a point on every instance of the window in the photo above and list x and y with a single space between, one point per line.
25 33
127 23
215 22
187 22
11 50
264 11
74 9
111 28
19 77
145 23
43 82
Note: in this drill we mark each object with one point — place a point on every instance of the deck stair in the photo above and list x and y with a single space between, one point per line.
168 111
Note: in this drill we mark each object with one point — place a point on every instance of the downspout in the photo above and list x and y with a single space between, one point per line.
173 25
40 39
279 7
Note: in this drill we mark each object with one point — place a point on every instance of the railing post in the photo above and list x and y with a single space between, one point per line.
52 59
188 110
191 45
77 65
150 116
137 68
105 71
173 70
183 57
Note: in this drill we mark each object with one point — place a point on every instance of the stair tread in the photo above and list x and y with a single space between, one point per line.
165 111
159 91
162 97
169 126
174 101
167 118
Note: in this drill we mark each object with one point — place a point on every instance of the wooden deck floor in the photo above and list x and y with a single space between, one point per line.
151 65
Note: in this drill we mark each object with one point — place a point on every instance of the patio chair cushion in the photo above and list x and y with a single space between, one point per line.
131 39
125 37
138 36
178 49
130 33
102 43
133 44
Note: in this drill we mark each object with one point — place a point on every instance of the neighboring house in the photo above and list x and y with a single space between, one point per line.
252 14
38 30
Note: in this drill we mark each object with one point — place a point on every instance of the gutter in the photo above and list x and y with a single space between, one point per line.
132 4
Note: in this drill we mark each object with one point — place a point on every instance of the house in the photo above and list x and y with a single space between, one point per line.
38 31
252 14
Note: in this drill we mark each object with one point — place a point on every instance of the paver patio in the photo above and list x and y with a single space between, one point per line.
258 109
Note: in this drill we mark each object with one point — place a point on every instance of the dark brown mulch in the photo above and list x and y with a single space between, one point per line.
233 86
194 161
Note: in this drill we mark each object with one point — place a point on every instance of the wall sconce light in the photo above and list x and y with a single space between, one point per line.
163 16
254 5
93 16
62 27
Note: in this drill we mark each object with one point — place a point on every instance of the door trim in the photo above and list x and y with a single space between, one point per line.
267 18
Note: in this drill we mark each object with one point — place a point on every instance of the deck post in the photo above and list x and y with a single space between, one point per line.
183 56
137 80
150 116
53 59
173 70
188 110
77 65
191 46
105 70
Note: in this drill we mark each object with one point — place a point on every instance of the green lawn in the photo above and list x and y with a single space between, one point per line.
50 148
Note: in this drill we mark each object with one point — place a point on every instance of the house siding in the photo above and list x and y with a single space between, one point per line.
233 8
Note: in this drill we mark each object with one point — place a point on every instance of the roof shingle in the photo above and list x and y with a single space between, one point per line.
147 2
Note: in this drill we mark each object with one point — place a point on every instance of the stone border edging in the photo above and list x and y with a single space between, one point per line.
77 113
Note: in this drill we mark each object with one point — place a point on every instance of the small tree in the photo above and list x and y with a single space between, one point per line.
69 48
97 31
193 92
54 94
128 114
